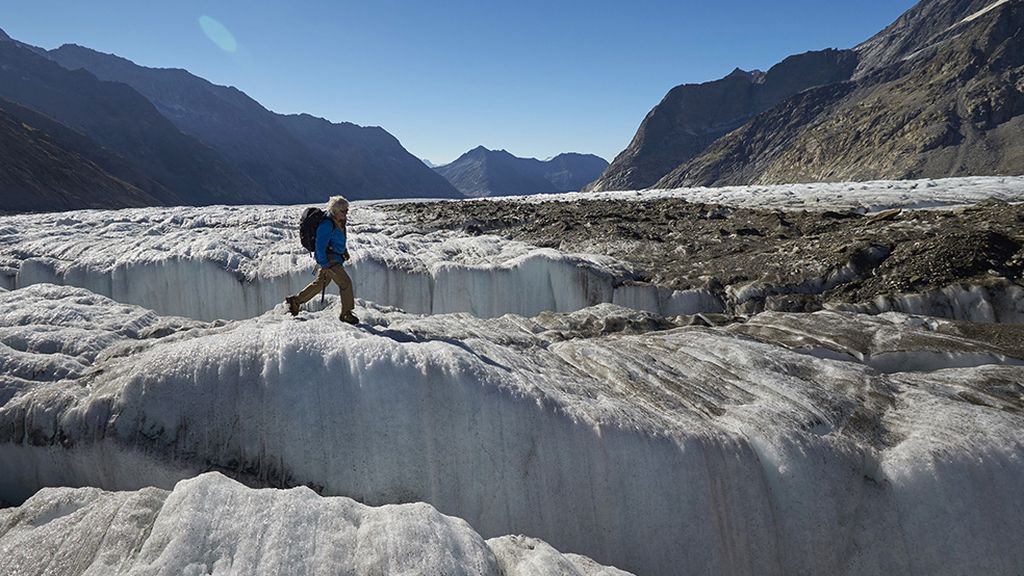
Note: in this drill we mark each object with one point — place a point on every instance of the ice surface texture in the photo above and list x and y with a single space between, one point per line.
213 525
694 450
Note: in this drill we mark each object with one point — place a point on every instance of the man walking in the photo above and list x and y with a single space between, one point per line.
330 253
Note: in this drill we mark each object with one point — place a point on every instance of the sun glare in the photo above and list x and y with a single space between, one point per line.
218 33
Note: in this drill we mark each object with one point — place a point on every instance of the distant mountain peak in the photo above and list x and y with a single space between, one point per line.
70 47
3 36
484 172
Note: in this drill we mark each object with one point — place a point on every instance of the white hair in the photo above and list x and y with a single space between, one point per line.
335 204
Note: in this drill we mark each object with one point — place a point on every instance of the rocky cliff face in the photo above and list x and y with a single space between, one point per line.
951 107
483 172
692 116
295 158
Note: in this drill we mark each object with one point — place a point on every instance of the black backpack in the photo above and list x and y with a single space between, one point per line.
308 223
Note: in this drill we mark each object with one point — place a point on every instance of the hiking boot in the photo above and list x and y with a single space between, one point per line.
293 305
349 318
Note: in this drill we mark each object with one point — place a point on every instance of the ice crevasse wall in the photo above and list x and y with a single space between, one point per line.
232 263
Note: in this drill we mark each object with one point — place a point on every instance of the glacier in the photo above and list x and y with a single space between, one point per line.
538 411
659 451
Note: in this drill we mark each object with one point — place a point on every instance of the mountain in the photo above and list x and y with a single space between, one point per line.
913 30
692 116
49 167
366 161
483 172
296 158
118 119
934 101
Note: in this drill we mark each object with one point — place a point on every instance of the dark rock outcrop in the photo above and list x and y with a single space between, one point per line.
483 172
295 158
692 116
953 107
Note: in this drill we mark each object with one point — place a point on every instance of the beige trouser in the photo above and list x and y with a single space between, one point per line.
324 277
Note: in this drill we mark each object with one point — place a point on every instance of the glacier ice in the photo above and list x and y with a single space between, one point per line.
867 197
213 525
239 261
687 450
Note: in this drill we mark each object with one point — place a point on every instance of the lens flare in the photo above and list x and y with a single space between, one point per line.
218 33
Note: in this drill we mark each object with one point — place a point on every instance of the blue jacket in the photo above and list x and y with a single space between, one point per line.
329 236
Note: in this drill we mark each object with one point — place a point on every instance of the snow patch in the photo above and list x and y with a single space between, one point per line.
983 11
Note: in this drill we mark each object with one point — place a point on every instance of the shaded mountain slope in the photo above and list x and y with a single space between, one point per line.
43 171
118 118
953 108
483 172
692 116
295 158
366 161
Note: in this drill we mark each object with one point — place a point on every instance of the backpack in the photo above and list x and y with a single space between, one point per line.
308 223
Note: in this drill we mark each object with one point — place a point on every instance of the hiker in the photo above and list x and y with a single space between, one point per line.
329 252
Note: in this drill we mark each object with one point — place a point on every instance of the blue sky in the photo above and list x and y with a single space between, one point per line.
535 78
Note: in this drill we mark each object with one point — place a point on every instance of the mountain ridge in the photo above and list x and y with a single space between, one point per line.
267 145
482 172
692 116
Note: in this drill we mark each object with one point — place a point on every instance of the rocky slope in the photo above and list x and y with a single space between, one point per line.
692 116
297 158
952 108
119 119
915 29
483 172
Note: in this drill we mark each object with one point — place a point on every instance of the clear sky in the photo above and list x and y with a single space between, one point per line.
533 77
